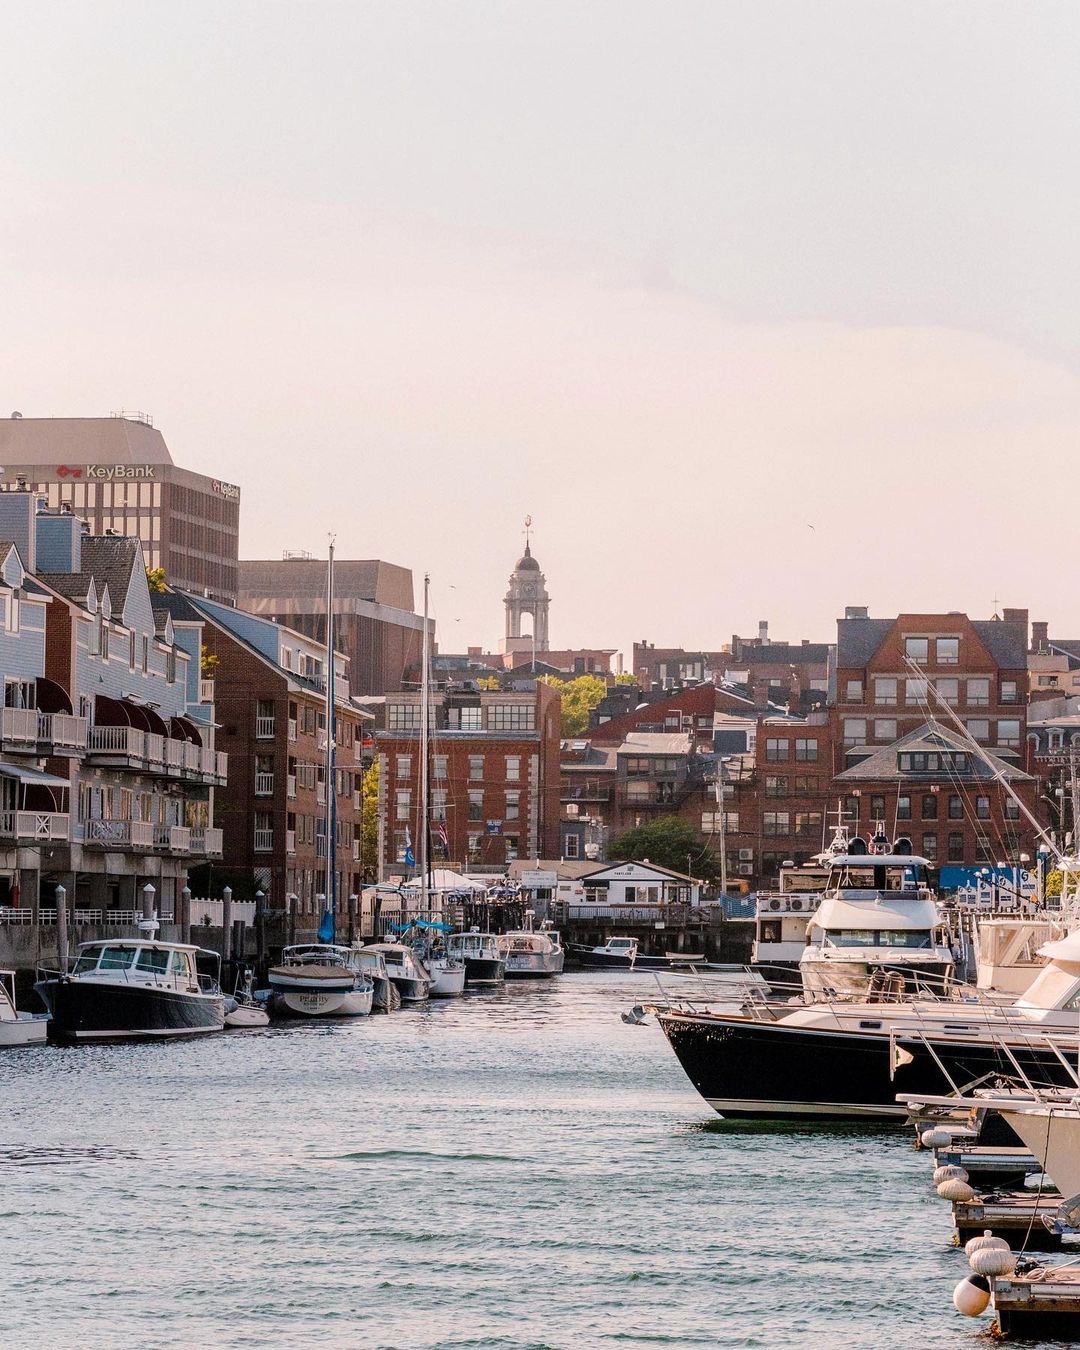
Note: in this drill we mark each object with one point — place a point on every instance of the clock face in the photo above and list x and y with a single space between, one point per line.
527 590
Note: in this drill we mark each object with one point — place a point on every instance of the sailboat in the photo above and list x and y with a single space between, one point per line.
322 979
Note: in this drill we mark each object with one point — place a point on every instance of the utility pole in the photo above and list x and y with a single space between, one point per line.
723 824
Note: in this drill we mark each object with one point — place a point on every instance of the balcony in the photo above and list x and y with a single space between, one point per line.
264 727
290 841
154 749
192 759
292 728
290 785
320 793
206 841
27 731
172 838
264 785
206 691
34 827
586 792
264 841
120 834
124 746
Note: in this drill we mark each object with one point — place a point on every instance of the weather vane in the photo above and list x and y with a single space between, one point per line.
528 528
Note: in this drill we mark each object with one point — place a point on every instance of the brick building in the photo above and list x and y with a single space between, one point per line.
494 776
270 699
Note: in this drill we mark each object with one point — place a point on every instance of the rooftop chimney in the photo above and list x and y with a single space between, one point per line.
763 630
1040 639
856 612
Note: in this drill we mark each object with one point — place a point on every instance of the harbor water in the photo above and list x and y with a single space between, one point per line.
516 1168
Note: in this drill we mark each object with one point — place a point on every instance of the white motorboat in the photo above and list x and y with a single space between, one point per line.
484 962
386 997
18 1028
532 954
405 969
447 975
243 1010
878 921
320 980
127 989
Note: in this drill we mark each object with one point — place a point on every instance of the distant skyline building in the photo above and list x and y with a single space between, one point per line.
528 595
117 474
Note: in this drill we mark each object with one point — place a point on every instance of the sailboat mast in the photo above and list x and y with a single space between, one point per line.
331 750
425 738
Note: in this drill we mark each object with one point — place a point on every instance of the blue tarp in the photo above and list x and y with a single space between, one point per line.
326 928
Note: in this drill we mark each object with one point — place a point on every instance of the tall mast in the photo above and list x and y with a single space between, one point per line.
331 751
425 737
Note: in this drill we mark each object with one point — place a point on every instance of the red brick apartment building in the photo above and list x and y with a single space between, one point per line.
270 703
494 776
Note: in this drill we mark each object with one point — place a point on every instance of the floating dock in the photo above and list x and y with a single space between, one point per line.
1004 1166
1016 1217
1044 1302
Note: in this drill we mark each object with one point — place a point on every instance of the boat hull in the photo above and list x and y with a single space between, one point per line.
447 981
247 1016
411 990
764 1071
26 1029
91 1010
318 1001
484 970
534 965
599 960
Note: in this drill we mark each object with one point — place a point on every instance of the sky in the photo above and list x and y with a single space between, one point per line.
759 309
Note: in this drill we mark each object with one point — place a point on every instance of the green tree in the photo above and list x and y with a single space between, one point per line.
668 841
208 664
155 579
579 697
488 682
1053 883
626 678
369 826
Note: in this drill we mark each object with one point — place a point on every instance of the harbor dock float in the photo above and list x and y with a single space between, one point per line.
1016 1217
1003 1166
1044 1302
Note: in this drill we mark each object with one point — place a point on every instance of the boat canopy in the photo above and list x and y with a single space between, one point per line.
1065 951
892 913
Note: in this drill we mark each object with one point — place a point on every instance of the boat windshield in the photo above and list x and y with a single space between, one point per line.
87 961
619 944
1053 987
153 959
117 958
879 937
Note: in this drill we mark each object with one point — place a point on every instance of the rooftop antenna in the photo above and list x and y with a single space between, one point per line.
528 531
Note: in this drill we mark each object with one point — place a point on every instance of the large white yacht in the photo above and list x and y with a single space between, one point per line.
877 926
320 980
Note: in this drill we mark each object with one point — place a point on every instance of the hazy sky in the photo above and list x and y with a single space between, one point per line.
759 308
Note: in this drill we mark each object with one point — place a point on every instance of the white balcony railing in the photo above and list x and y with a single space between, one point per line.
63 731
120 833
175 838
221 765
154 746
206 841
126 742
206 691
19 726
192 757
264 841
34 826
290 841
264 785
264 728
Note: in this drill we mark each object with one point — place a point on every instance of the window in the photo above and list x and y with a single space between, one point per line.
512 847
1012 809
877 807
476 806
438 804
956 848
776 785
808 822
439 766
982 848
956 807
403 717
710 822
903 807
105 640
854 730
885 729
776 822
806 751
1047 681
978 693
572 845
637 790
929 806
513 768
403 801
512 717
914 691
131 650
638 766
851 809
513 806
917 649
476 768
806 785
1008 732
1008 691
948 651
885 691
982 808
949 691
403 766
776 749
468 718
731 822
854 691
665 792
978 728
145 654
929 847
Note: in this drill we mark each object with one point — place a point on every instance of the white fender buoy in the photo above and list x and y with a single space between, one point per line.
972 1296
984 1239
935 1138
955 1190
950 1172
992 1261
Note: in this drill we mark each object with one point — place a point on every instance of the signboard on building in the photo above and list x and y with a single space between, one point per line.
125 472
494 827
229 491
536 879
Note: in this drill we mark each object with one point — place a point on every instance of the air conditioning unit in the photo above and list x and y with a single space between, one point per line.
746 869
746 855
795 903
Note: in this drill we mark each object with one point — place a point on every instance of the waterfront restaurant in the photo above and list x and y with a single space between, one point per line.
638 884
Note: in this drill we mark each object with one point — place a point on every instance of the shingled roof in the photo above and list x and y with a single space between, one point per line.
112 558
882 765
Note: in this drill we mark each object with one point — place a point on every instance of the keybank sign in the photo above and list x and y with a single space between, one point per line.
108 471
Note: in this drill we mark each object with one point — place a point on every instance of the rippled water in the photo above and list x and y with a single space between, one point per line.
517 1168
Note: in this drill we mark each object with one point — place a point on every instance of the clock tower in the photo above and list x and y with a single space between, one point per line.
527 595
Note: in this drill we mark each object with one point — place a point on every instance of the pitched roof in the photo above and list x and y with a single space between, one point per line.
657 743
882 763
71 585
1006 642
112 558
858 639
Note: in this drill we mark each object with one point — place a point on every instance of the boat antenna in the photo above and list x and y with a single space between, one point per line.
425 736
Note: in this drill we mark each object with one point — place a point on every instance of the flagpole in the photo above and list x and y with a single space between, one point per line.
425 736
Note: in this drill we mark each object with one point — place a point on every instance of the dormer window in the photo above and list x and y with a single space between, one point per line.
948 651
917 649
